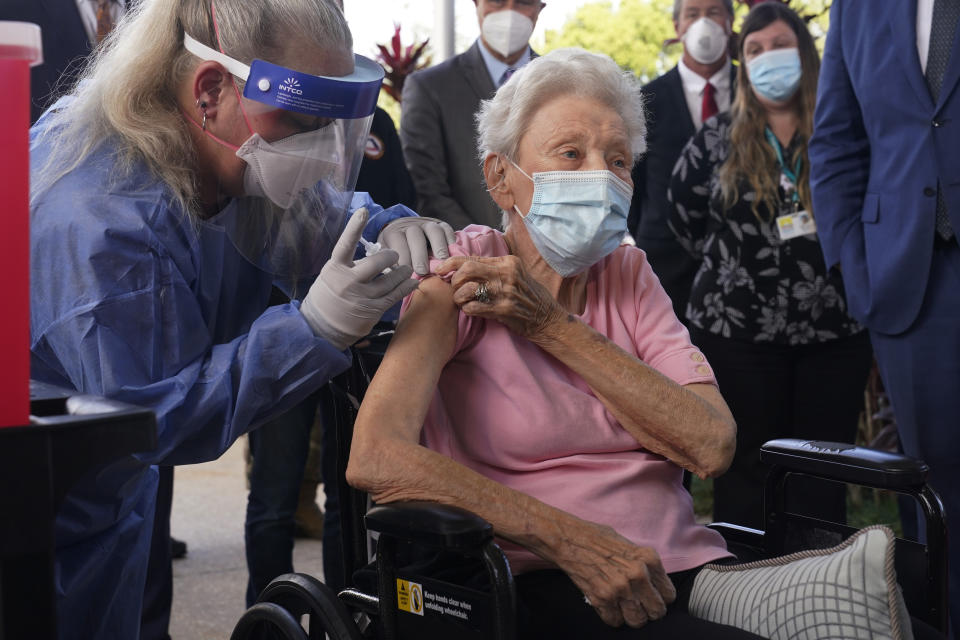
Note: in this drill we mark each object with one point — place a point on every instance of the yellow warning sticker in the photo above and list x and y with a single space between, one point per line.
409 597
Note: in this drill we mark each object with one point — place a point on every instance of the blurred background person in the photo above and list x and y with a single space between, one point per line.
439 104
71 29
677 103
383 173
885 166
768 314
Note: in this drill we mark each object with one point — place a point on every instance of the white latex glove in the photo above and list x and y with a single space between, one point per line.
348 297
409 238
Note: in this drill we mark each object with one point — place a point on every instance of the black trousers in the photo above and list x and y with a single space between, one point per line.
807 391
158 590
550 606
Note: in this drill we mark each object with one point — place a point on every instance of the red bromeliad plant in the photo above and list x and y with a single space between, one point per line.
399 62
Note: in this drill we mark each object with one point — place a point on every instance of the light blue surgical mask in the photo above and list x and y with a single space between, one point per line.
577 218
775 75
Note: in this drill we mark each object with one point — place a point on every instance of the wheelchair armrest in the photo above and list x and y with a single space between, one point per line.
846 463
431 524
738 533
743 542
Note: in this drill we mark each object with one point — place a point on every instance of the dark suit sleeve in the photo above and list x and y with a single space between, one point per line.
839 150
65 47
386 178
405 192
425 153
639 175
689 195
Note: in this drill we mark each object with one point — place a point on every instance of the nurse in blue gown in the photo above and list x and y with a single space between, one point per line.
208 153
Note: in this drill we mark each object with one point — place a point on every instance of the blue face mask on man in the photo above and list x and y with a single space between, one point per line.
577 218
775 75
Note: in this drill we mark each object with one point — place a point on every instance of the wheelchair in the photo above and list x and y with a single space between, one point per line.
388 600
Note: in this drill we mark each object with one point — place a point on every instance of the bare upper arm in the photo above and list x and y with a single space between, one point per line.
396 403
430 318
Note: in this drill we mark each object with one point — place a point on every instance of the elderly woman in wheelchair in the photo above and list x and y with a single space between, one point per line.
540 379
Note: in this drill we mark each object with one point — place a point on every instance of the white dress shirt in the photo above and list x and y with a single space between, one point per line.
88 15
924 26
694 84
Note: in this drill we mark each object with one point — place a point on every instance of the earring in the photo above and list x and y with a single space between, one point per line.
203 107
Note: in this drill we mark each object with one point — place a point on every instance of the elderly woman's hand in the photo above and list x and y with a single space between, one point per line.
626 584
502 289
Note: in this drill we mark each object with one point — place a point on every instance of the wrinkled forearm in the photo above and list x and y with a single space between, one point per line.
691 428
393 470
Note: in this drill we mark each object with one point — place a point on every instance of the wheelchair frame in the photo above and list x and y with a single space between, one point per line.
354 614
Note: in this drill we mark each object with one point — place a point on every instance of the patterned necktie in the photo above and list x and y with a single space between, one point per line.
709 105
945 16
506 76
104 19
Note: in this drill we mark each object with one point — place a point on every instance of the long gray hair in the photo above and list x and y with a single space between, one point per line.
127 93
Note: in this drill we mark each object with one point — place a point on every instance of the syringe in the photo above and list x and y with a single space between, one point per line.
371 248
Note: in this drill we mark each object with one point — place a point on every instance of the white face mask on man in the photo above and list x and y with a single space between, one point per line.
506 31
705 41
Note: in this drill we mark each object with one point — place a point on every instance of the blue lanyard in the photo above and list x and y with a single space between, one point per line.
791 175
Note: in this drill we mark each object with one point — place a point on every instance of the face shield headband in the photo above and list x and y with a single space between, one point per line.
349 97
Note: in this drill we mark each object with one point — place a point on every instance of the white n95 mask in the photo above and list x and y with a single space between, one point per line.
282 170
577 218
506 31
705 41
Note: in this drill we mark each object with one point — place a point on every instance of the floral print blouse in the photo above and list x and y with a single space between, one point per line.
751 286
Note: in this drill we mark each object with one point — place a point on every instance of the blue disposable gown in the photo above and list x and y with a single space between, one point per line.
132 300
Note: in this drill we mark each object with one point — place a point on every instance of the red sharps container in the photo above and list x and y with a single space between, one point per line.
20 48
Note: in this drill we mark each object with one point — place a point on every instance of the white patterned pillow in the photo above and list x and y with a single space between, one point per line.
848 591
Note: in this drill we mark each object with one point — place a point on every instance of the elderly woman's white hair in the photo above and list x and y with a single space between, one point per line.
128 91
503 119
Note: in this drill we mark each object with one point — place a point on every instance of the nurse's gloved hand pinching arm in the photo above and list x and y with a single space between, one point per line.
409 238
348 298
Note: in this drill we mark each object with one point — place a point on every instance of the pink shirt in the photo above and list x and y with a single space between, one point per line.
508 410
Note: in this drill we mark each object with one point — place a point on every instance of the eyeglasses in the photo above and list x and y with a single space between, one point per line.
519 3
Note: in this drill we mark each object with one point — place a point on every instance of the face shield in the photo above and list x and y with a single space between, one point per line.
302 158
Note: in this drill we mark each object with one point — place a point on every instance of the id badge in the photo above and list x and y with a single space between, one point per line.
795 225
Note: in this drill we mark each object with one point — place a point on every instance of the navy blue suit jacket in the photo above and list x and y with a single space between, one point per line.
65 45
879 147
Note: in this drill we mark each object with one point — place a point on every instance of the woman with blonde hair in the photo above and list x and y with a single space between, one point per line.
208 153
772 320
